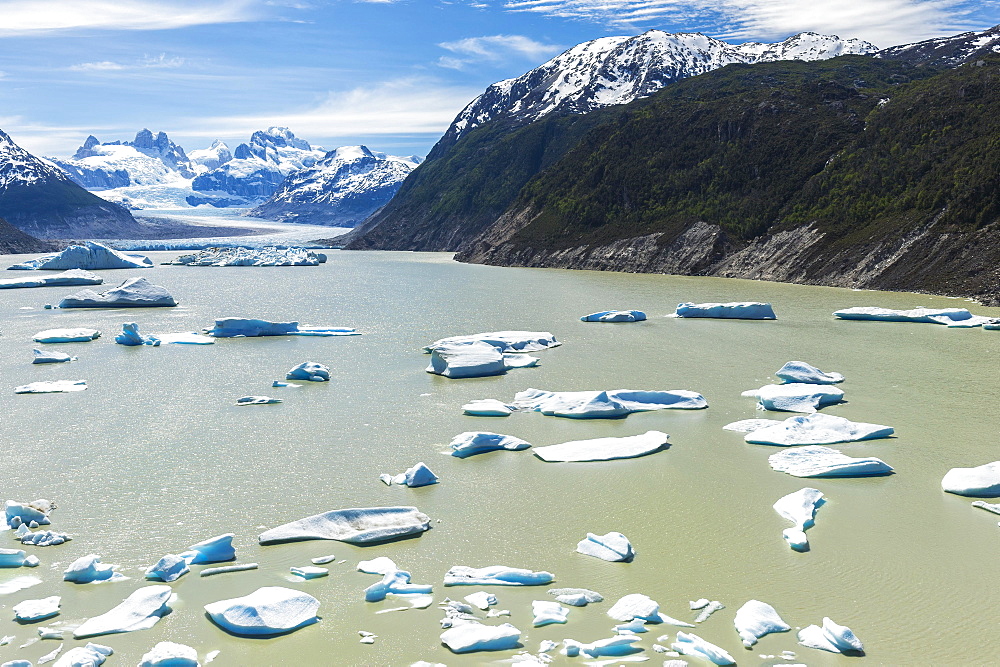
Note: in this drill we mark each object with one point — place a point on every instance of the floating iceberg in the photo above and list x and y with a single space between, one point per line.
90 256
750 425
487 407
505 341
169 568
695 646
951 317
91 655
89 569
395 582
130 336
209 571
605 404
16 512
132 293
742 310
796 397
474 359
816 429
993 324
495 575
989 507
474 636
418 475
481 599
547 612
309 370
257 400
51 387
71 277
37 610
242 327
818 461
139 611
756 619
380 565
800 371
979 482
636 605
618 645
476 442
799 508
831 637
708 610
309 571
48 357
613 547
604 449
170 654
615 316
16 558
265 256
270 610
356 526
575 597
66 335
213 550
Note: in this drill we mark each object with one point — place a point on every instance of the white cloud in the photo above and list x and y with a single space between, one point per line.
40 139
495 48
161 61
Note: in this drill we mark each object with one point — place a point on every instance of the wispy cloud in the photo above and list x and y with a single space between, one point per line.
162 61
494 48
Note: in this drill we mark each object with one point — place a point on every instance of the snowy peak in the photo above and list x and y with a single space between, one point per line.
806 46
212 157
947 51
19 167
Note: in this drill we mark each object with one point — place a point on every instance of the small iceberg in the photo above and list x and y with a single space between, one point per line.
395 582
466 360
477 442
418 475
133 293
475 636
505 341
487 407
270 610
993 324
708 610
216 549
369 525
51 387
309 571
637 605
309 370
546 612
257 400
481 599
800 371
48 357
951 317
17 512
796 397
750 425
816 429
170 654
742 310
495 575
209 571
37 610
139 611
64 279
609 404
89 569
41 538
612 547
91 655
16 558
616 646
615 316
799 508
575 597
90 256
819 461
756 619
130 336
605 449
831 637
66 335
243 327
169 568
265 256
979 482
696 647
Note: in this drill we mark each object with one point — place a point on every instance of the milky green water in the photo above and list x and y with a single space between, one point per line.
155 456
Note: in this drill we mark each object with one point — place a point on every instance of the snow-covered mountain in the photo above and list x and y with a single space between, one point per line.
947 51
213 157
345 187
617 70
147 160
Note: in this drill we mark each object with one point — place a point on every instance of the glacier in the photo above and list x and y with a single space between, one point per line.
240 256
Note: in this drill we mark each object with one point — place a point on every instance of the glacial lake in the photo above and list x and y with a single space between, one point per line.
155 456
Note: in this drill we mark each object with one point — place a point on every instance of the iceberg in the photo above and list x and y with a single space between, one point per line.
474 359
66 335
132 293
14 558
505 341
40 538
64 279
49 357
992 325
831 637
90 256
989 507
612 547
799 508
756 619
309 370
37 610
130 336
369 525
816 429
170 654
819 461
16 512
487 407
708 610
546 612
749 425
481 599
209 571
216 549
263 256
604 449
185 338
139 611
741 310
951 317
800 371
309 571
91 655
269 610
257 400
395 582
796 397
495 575
979 482
243 327
609 404
636 605
618 645
169 568
89 569
575 597
380 565
51 387
476 442
695 646
615 316
418 475
475 636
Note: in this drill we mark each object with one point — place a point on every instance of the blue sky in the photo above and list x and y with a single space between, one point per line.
391 74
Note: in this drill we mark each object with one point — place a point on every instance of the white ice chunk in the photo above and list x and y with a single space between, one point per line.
749 425
818 461
487 407
366 525
700 603
209 571
169 568
799 508
89 569
243 327
740 310
132 293
613 547
615 316
130 336
979 482
309 571
257 400
618 645
796 397
71 277
708 610
18 584
90 255
49 357
800 371
466 360
263 256
280 383
547 612
604 449
575 597
12 558
380 565
816 429
270 610
474 636
323 560
309 370
634 627
51 387
139 611
695 646
170 654
51 655
37 610
396 582
989 507
79 335
547 645
945 316
505 341
476 442
635 605
18 663
213 550
418 475
605 404
481 599
185 338
91 655
831 637
495 575
756 619
18 512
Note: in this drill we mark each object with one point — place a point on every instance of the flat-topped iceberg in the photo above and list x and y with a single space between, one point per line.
615 316
818 461
816 429
368 525
487 407
612 547
89 569
750 425
37 610
18 512
796 397
575 597
831 637
609 404
49 357
170 654
417 475
213 550
169 568
79 335
546 612
90 255
270 610
91 655
130 336
616 646
740 310
310 571
495 575
482 599
604 449
799 508
979 482
312 371
257 400
395 582
800 371
993 324
951 317
474 359
66 278
139 611
756 619
16 558
505 341
695 646
476 442
265 256
51 387
245 327
475 636
132 293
